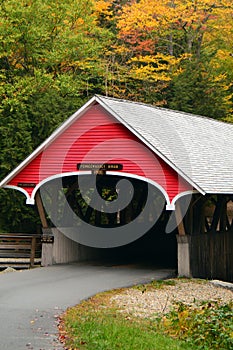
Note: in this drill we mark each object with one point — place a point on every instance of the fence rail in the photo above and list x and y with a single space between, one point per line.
19 250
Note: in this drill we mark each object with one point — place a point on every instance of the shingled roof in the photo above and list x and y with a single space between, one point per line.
199 148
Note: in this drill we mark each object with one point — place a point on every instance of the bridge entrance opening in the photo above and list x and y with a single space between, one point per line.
111 204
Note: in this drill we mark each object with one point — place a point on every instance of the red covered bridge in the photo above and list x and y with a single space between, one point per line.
178 173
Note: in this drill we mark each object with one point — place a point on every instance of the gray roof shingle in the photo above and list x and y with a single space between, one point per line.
199 148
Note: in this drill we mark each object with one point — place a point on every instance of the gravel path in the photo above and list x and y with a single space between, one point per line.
146 303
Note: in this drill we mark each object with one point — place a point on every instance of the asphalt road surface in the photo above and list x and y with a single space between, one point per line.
31 300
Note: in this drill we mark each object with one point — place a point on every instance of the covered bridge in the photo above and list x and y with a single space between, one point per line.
121 178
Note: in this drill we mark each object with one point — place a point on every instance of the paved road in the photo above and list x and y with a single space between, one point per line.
31 300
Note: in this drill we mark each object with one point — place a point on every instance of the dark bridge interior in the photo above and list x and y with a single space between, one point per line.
88 198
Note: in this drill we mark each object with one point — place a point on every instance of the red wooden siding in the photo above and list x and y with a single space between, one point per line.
98 137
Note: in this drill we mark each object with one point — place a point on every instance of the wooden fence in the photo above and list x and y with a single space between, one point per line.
212 255
19 250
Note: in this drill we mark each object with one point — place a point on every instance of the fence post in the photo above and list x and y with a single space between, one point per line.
33 251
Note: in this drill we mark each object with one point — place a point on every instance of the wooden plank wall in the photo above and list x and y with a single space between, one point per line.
212 255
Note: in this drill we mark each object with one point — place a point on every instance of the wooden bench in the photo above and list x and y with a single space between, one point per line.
18 249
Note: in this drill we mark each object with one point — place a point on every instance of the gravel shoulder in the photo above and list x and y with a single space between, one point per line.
149 301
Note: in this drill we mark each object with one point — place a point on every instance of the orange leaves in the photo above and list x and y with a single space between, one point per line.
153 20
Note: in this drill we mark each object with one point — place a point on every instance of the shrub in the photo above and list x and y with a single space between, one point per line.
207 326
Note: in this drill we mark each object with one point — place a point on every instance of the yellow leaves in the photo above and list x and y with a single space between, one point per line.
121 50
149 73
146 14
79 22
157 67
186 15
183 315
222 54
102 6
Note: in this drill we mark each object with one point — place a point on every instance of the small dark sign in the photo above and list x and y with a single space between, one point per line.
26 184
99 166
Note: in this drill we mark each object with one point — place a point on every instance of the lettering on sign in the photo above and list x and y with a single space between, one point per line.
99 167
26 184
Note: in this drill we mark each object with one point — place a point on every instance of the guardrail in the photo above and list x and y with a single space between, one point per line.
19 250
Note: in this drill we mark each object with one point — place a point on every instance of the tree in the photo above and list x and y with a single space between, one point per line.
49 64
55 55
165 41
200 91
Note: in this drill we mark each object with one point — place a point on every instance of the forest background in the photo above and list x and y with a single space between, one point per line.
55 55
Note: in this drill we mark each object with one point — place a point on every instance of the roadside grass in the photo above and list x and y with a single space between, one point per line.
85 327
97 324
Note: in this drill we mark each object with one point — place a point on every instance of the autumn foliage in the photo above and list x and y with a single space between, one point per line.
56 55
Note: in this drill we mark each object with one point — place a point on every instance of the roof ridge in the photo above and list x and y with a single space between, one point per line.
212 119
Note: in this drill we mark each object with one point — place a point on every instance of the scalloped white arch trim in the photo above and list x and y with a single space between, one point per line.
170 205
28 200
142 178
182 194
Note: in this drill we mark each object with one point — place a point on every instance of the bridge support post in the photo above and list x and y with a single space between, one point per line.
183 245
183 252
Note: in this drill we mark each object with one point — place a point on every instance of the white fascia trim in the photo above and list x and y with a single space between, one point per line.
57 176
182 194
220 192
166 160
50 139
116 173
31 199
169 206
145 179
28 200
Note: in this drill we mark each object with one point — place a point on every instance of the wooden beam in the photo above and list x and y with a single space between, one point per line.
223 216
54 190
217 212
179 220
41 210
33 251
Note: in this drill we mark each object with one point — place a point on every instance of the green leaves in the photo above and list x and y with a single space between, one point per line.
55 55
49 64
208 326
49 55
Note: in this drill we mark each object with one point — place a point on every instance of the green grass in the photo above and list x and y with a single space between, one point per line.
156 284
96 325
103 331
